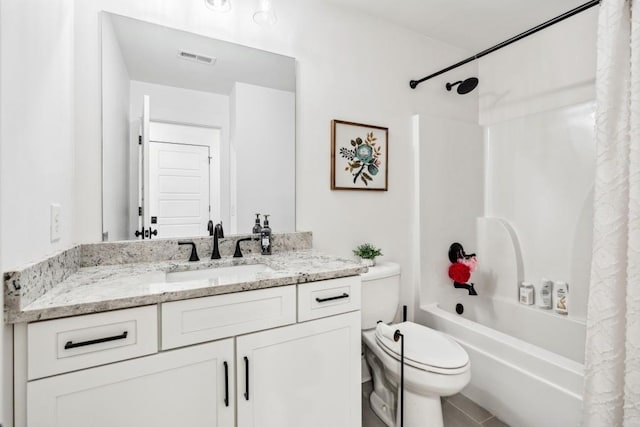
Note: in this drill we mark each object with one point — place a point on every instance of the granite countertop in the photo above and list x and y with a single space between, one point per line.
110 287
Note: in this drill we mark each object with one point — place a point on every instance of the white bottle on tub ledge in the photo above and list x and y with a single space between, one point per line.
561 297
546 294
526 293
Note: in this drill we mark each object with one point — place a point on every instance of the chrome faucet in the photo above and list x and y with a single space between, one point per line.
218 233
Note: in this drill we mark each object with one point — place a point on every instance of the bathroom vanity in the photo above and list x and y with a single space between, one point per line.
260 341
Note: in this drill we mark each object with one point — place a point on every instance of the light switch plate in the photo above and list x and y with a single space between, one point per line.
56 226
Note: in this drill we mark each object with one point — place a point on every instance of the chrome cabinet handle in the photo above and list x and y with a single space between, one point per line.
71 344
345 295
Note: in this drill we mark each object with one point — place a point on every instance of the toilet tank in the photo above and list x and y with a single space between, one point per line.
380 294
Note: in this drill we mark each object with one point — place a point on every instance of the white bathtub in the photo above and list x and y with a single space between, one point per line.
523 384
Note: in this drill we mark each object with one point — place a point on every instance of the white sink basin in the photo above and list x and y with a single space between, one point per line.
220 275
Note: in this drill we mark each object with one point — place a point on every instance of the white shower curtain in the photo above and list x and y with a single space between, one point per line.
612 361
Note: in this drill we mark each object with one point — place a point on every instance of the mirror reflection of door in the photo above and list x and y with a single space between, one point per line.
178 189
180 186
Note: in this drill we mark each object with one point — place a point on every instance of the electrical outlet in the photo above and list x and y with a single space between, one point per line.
56 226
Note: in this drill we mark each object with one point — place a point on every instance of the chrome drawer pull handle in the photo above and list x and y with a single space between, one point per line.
71 344
345 295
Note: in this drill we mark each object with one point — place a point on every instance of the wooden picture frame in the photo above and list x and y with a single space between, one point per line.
359 156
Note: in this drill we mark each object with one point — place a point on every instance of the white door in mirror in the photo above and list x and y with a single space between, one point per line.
178 189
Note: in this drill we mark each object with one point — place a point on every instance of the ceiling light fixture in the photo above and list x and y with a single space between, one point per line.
265 16
218 5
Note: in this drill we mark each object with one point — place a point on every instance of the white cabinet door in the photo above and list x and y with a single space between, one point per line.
183 387
303 375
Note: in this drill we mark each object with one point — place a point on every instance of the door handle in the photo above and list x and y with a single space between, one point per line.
226 384
344 295
246 378
71 344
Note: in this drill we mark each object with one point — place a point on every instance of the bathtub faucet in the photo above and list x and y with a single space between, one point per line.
467 286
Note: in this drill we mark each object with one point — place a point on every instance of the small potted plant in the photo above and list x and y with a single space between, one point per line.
367 254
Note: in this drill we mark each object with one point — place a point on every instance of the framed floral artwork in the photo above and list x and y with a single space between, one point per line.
359 156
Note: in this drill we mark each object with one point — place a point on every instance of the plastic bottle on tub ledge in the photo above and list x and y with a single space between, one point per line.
561 300
546 294
526 293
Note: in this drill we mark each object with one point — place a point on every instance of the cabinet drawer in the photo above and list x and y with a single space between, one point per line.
63 345
328 297
210 318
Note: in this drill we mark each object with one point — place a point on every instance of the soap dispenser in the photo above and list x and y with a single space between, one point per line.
265 237
257 229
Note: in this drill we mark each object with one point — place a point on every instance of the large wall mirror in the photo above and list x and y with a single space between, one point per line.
194 131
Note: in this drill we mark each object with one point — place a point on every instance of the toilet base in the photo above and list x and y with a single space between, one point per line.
384 400
418 408
381 409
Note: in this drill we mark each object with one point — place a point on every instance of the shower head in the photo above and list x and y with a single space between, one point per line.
465 87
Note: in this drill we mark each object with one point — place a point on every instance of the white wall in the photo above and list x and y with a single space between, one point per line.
358 70
264 144
451 198
36 141
115 136
548 70
178 105
191 107
536 103
37 132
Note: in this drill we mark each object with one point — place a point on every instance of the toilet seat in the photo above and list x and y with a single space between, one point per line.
426 349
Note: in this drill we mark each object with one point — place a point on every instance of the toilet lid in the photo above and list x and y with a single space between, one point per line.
425 346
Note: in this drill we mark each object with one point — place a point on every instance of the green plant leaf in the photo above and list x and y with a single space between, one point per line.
359 140
367 176
367 251
373 169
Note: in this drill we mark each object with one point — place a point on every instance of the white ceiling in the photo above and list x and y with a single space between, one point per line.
150 53
473 25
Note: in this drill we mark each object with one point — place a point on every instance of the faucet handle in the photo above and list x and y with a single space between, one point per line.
194 252
238 252
215 254
220 230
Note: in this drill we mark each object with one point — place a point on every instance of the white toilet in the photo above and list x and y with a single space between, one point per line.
435 365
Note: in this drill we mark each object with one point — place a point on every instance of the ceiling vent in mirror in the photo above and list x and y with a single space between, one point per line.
196 57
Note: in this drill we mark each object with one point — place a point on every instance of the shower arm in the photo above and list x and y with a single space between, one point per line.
414 83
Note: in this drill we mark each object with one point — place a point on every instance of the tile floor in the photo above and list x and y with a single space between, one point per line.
457 411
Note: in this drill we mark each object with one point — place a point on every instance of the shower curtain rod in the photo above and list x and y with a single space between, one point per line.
581 8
